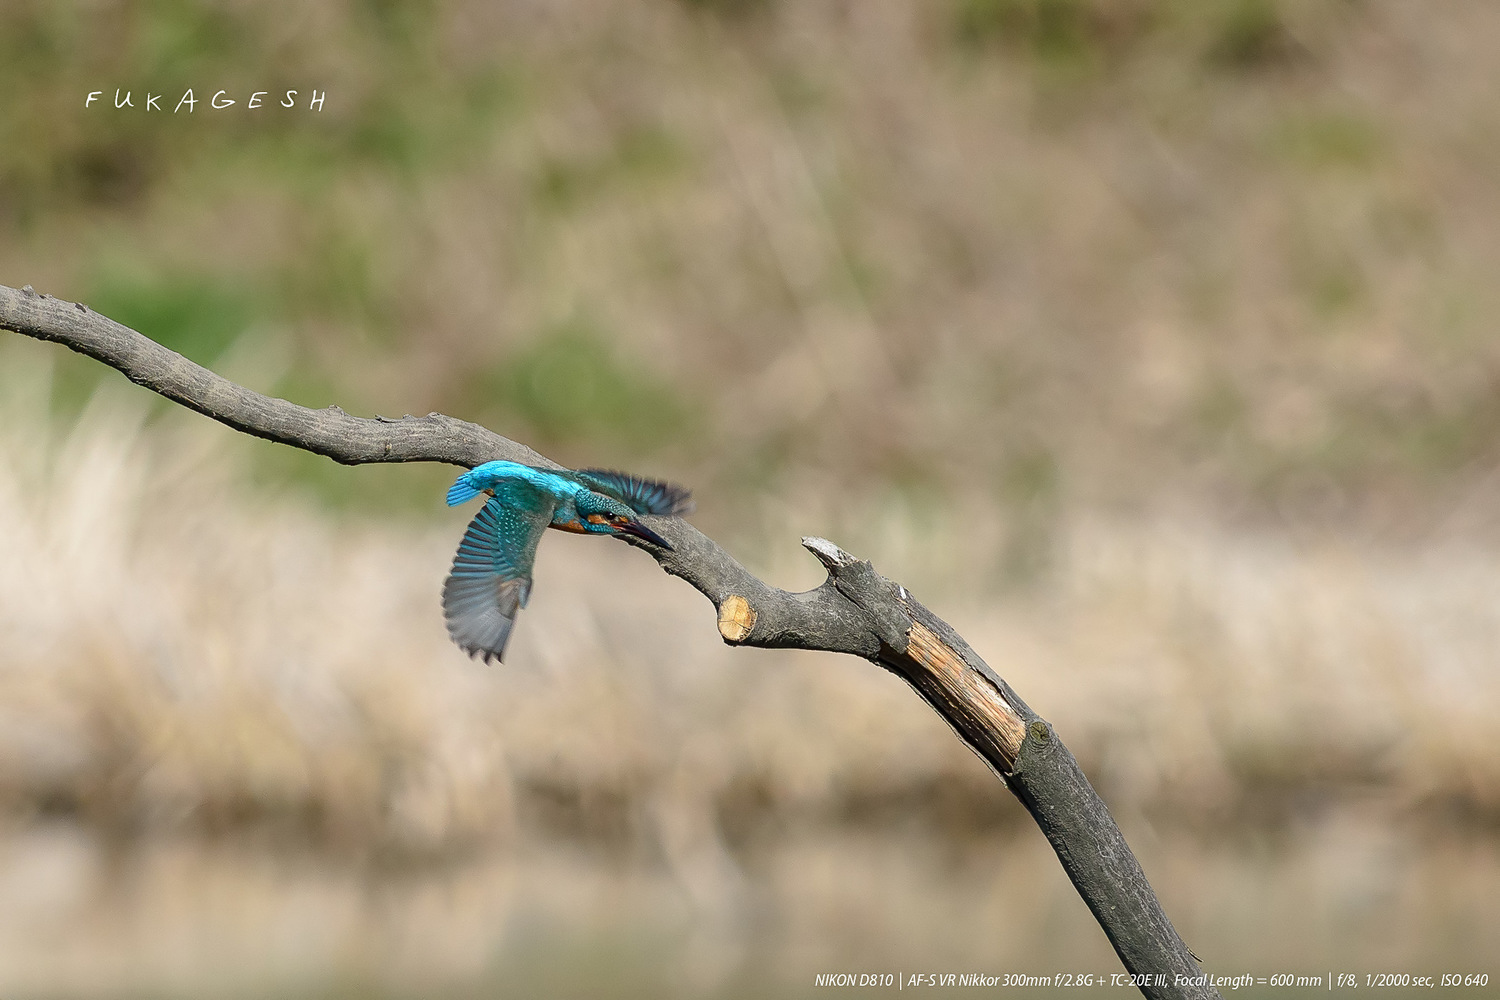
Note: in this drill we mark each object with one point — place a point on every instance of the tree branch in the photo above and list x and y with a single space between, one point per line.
856 611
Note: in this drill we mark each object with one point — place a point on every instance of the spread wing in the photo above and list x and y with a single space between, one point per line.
644 496
491 577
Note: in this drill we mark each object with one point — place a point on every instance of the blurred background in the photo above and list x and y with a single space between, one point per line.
1150 342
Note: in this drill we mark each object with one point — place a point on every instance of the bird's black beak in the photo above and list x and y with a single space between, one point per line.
639 530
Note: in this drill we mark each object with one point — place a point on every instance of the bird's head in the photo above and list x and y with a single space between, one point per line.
602 515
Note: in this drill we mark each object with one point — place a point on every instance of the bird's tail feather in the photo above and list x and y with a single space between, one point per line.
462 491
644 496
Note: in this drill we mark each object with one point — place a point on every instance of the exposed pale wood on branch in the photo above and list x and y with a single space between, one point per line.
855 610
965 686
736 618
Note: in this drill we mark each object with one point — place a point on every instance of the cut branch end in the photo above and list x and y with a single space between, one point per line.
736 618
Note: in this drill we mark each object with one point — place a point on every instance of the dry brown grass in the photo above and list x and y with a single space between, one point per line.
223 718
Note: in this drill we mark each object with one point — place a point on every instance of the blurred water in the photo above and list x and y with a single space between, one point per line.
184 917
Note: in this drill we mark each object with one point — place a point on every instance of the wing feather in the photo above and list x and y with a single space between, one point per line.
491 576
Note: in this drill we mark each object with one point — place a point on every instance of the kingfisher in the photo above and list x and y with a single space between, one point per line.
491 576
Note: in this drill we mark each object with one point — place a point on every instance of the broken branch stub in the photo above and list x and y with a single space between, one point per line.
988 720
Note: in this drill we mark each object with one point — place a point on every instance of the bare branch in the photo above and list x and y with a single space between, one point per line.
331 432
856 611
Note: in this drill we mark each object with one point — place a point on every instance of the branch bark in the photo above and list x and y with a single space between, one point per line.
855 611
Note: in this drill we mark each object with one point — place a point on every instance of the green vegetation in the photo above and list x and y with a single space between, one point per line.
728 218
1231 35
1328 140
637 156
196 316
571 386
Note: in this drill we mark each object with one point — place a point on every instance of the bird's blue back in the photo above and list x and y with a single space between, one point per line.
559 484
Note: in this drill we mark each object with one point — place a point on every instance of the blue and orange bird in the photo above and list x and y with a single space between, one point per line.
491 577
